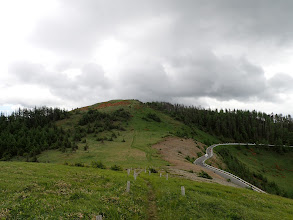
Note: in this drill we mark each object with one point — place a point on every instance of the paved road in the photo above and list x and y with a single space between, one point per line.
234 179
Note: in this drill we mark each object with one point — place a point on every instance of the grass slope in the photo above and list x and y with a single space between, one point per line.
275 167
52 191
140 134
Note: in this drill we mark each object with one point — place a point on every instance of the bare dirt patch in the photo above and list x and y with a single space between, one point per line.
175 150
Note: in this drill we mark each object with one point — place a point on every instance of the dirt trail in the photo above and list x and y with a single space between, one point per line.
152 208
174 150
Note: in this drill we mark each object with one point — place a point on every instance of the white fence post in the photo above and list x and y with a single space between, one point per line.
128 172
99 217
160 174
128 186
182 191
167 176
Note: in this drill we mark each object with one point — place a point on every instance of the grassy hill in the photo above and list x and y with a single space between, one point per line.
52 191
129 147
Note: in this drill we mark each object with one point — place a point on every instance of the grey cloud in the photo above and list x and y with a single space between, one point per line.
195 76
281 83
188 77
90 83
77 29
92 76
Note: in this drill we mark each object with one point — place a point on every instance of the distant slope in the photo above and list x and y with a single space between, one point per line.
50 191
262 166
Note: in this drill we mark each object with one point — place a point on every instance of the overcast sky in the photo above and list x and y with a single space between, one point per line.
216 53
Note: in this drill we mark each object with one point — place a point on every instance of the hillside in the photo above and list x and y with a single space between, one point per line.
127 143
117 135
262 166
51 191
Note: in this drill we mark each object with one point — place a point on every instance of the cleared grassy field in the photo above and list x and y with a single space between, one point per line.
52 191
275 167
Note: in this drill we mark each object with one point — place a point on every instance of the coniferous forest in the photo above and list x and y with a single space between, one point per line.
234 125
28 132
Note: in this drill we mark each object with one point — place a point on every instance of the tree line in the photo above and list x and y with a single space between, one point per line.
233 125
27 132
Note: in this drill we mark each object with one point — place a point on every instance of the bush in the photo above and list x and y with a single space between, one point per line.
153 117
98 164
199 154
190 159
153 170
116 168
78 164
99 139
204 174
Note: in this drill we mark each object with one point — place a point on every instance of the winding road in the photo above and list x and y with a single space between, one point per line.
234 179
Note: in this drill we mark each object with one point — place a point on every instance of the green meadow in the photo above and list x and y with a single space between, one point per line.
52 191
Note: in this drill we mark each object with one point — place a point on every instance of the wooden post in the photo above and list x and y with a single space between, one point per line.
144 170
134 175
128 186
149 172
128 172
182 191
167 176
99 217
160 174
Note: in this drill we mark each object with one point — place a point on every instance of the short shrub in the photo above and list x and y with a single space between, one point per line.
78 164
98 164
153 117
204 174
190 159
199 154
153 170
116 168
